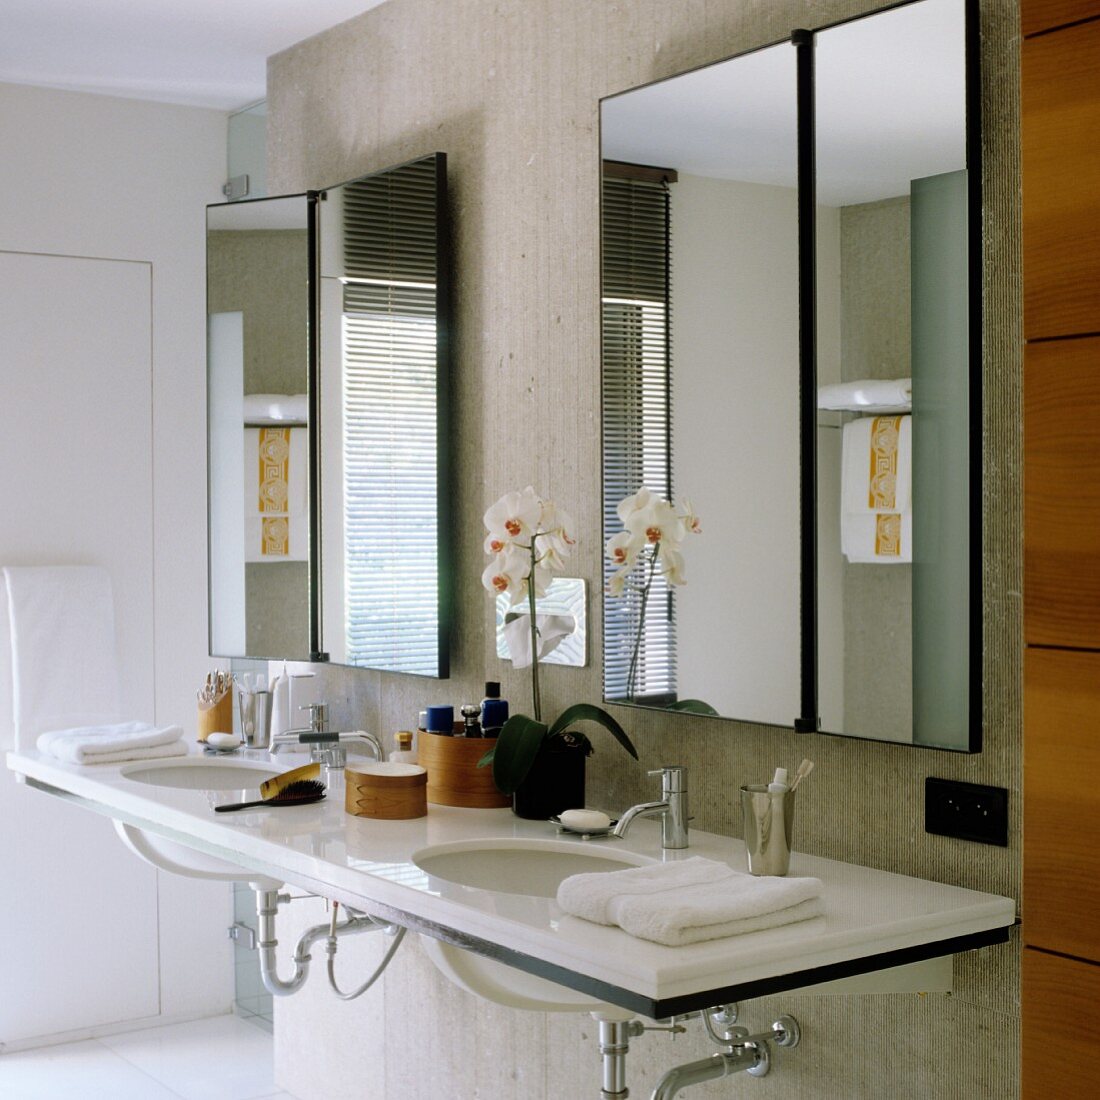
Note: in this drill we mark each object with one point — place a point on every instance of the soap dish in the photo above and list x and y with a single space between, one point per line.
584 834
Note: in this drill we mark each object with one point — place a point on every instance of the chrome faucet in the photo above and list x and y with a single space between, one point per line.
326 746
673 808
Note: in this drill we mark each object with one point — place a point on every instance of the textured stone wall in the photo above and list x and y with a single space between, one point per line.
509 89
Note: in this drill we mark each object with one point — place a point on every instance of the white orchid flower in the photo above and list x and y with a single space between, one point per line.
514 518
617 581
657 522
623 549
691 520
557 526
507 573
629 505
672 564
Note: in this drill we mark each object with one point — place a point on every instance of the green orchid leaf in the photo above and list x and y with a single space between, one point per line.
692 706
586 712
487 759
517 746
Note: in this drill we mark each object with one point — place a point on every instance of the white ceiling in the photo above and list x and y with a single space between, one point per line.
890 92
206 53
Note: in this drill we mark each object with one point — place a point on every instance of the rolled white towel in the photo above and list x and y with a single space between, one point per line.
275 408
113 744
867 395
689 901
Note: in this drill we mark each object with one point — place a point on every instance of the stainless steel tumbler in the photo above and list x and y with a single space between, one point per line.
768 820
255 709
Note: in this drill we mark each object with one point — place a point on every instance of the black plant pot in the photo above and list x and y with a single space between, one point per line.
555 781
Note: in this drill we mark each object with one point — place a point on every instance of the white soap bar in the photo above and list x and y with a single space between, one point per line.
223 740
582 820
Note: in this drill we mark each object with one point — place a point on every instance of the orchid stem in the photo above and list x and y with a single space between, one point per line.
536 701
641 625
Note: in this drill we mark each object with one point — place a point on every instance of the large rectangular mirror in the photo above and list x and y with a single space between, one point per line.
328 344
703 329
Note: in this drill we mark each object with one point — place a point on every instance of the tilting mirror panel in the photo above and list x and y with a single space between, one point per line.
893 419
700 383
381 285
258 278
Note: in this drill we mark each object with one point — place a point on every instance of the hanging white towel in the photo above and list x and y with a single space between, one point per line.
64 665
868 395
276 494
689 901
876 496
113 744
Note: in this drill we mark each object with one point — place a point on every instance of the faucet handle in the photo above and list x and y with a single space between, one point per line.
318 716
673 778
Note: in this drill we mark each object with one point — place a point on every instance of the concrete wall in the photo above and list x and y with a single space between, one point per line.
510 91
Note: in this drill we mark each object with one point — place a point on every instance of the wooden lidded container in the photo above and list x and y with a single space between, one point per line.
454 779
394 792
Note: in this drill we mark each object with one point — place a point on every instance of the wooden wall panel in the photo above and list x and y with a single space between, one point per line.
1042 15
1061 801
1060 100
1062 493
1061 1026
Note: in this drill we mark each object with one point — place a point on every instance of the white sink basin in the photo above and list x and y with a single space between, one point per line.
203 774
216 776
534 868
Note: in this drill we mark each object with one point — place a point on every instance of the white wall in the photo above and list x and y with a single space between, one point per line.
735 442
122 179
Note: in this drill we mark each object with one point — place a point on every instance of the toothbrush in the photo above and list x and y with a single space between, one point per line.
804 770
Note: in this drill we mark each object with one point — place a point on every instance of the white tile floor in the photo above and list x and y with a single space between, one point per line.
222 1058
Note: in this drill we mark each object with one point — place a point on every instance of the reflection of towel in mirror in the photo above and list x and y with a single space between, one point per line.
876 503
689 901
868 395
276 494
274 408
114 743
553 629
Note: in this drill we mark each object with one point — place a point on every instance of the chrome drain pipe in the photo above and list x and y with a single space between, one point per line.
267 909
615 1036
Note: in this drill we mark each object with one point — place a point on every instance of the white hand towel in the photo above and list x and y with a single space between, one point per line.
876 490
867 395
553 630
113 744
294 496
63 660
689 901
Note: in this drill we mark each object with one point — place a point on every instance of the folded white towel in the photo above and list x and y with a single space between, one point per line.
114 743
275 408
867 395
689 901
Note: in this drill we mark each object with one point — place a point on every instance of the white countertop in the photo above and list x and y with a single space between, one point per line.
873 919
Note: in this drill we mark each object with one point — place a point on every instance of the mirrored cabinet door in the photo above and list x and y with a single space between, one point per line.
383 388
700 382
894 405
258 287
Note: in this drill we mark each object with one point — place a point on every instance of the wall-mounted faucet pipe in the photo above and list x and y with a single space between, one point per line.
267 909
707 1069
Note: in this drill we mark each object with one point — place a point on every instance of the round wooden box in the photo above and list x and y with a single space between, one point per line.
454 779
390 791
